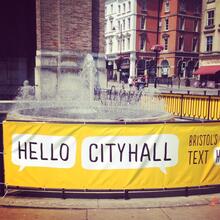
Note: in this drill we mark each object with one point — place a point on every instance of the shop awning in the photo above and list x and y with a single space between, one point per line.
207 70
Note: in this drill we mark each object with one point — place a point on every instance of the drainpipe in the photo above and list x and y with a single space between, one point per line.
158 21
157 39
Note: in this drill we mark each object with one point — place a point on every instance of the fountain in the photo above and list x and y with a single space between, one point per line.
84 101
102 139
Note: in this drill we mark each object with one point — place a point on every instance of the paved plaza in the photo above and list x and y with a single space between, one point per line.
163 88
192 207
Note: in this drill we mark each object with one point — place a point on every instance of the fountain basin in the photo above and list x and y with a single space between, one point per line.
96 114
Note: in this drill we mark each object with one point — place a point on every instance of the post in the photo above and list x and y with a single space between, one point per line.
126 197
181 106
209 106
156 58
158 28
2 185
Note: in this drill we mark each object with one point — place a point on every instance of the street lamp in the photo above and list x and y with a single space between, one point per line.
120 58
157 48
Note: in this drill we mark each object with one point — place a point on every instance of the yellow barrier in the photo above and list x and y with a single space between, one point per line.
111 156
193 106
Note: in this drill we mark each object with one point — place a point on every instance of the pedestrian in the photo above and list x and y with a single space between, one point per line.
130 82
115 77
138 82
179 81
155 82
170 82
146 80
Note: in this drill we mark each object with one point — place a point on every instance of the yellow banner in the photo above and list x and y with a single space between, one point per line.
108 156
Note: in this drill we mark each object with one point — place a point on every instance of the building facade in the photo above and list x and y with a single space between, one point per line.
210 43
120 36
180 35
45 39
174 25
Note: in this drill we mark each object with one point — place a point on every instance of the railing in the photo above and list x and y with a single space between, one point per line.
204 107
193 106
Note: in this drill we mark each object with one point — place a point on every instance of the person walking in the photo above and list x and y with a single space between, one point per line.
130 82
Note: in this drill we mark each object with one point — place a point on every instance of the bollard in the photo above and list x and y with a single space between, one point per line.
126 197
205 92
188 92
218 92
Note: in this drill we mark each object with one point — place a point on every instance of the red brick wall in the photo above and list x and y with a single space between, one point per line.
174 31
75 25
98 19
67 25
151 24
47 24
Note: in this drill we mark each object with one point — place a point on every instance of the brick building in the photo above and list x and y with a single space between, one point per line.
44 39
173 24
180 34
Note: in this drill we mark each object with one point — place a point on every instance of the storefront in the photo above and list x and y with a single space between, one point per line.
209 76
125 70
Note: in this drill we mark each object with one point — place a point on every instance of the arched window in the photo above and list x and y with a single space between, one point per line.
167 5
182 5
165 68
190 68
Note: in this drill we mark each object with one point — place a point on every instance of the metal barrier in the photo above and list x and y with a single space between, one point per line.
192 106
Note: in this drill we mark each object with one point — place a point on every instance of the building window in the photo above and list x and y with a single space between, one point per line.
209 43
164 68
165 43
119 25
210 1
182 6
144 5
194 44
128 43
111 9
210 18
129 23
110 46
197 9
167 5
124 7
143 23
195 28
123 24
119 9
181 43
182 23
123 44
119 45
111 25
166 24
143 42
160 25
129 6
